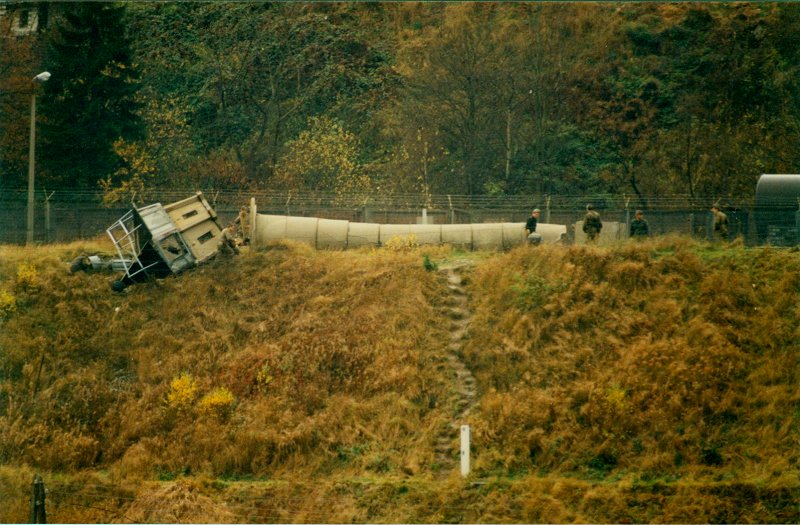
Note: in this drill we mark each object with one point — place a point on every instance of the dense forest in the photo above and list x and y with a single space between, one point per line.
475 99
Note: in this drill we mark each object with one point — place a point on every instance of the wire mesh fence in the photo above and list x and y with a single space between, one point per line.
68 215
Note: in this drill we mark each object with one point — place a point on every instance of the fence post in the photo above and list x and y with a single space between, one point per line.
38 513
452 211
797 223
547 209
48 231
464 451
627 215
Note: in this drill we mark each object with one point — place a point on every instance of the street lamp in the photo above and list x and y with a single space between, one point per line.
38 79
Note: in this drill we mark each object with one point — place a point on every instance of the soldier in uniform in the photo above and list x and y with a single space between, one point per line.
592 223
227 244
243 224
639 227
530 227
720 223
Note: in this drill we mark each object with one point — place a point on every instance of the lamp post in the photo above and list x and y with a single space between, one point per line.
38 79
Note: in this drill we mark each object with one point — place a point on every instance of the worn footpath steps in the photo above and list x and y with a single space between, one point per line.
464 392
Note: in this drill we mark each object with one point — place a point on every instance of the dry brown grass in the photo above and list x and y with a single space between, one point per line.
328 356
671 359
649 382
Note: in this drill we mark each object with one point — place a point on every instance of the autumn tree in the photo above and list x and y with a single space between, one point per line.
697 99
490 83
324 158
251 74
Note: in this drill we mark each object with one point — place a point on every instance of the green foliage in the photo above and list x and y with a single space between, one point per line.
252 74
8 304
466 98
533 290
89 102
324 157
692 99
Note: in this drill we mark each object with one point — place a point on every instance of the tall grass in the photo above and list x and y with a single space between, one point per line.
671 359
311 360
655 381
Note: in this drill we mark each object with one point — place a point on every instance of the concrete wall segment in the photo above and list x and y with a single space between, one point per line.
363 234
340 234
332 234
424 233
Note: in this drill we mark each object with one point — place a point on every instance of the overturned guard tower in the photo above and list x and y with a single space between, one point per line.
777 210
157 241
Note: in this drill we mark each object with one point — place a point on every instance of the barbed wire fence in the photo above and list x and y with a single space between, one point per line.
65 215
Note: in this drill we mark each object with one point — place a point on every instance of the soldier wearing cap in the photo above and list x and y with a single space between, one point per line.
530 227
639 227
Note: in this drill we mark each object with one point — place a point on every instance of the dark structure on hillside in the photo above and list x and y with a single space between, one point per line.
777 210
158 241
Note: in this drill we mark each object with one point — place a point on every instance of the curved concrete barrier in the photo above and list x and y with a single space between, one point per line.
363 234
424 233
332 234
457 234
338 234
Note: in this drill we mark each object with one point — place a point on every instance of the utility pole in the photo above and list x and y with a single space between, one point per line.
41 77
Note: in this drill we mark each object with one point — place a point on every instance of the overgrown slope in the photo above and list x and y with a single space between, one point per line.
645 382
672 360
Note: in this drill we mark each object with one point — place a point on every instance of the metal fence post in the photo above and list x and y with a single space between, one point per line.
547 209
38 513
452 211
797 224
48 231
627 215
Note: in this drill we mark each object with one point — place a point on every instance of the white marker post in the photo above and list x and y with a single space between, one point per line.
464 451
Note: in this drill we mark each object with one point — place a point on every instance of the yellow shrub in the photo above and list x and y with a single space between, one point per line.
8 304
264 377
183 390
219 401
616 398
27 277
401 243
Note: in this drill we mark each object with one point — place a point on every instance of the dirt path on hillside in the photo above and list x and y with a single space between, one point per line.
464 392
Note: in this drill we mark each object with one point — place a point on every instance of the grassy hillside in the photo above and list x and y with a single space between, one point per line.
647 382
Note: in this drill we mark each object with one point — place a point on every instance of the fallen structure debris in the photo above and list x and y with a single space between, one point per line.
156 241
94 263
